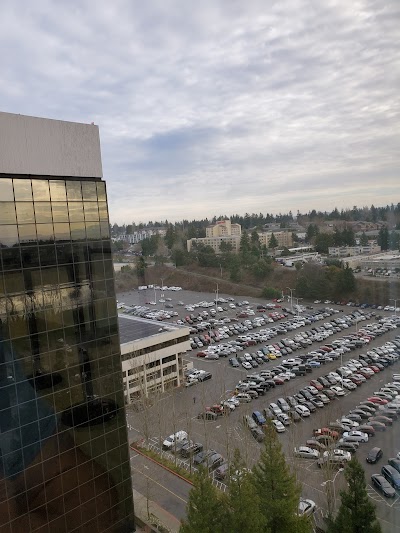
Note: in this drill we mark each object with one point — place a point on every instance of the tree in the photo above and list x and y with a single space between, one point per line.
225 247
363 239
356 513
277 488
141 267
205 510
242 505
383 238
273 243
323 241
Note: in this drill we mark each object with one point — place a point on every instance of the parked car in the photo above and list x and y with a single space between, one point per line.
222 471
173 439
355 435
306 453
306 507
302 410
374 455
383 486
191 448
392 475
280 428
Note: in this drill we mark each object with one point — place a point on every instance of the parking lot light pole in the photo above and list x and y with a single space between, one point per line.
291 297
395 300
334 490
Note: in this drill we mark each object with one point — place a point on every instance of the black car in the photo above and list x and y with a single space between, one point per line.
190 448
214 461
374 455
384 486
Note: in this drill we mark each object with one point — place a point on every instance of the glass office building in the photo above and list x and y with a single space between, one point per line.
64 458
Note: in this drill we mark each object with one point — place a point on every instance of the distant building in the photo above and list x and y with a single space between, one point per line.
224 228
284 238
349 251
141 234
221 232
151 356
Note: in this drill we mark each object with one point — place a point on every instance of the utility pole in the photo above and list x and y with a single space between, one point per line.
291 297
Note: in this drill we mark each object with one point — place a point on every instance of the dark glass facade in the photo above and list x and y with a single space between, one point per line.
64 458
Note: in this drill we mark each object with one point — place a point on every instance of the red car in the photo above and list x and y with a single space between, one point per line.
374 368
379 401
367 375
316 384
356 380
278 380
201 354
326 431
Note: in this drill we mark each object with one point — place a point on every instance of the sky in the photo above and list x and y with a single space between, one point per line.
217 107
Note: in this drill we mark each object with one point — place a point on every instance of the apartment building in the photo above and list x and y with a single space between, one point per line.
284 238
224 228
349 251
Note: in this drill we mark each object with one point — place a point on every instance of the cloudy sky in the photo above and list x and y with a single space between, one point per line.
217 107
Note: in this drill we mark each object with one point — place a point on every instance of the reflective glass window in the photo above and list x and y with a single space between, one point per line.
79 251
104 230
62 231
91 211
60 212
57 191
75 211
43 212
8 235
23 190
27 234
7 213
11 258
25 213
40 190
64 253
45 233
74 190
6 190
101 191
13 281
93 230
89 190
103 212
30 256
47 255
78 231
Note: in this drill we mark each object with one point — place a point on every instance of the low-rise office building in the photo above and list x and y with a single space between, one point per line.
152 356
349 251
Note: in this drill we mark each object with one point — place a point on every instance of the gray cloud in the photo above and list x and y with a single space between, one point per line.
219 107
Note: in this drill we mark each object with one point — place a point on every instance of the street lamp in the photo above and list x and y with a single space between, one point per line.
334 491
291 297
297 306
395 300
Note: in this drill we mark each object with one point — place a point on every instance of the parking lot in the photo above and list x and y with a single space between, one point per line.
179 409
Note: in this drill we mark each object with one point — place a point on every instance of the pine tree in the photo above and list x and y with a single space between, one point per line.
242 500
205 509
273 243
277 488
356 513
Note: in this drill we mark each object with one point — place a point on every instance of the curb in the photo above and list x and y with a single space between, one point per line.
132 446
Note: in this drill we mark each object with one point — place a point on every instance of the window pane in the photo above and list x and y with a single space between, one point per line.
89 190
74 191
103 211
91 211
43 212
104 230
11 258
8 235
93 230
30 256
45 232
62 232
25 214
7 212
6 190
23 190
57 191
75 211
101 191
47 254
78 232
60 212
41 190
27 234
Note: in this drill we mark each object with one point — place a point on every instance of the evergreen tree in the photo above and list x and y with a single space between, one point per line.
141 269
241 501
273 243
383 238
356 513
363 239
277 489
205 509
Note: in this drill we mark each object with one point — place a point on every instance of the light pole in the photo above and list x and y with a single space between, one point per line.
395 300
297 306
332 481
291 297
216 299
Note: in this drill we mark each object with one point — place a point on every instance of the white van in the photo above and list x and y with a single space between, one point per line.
243 397
173 439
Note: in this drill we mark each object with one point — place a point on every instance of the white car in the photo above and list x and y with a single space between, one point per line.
337 455
338 390
306 507
246 365
173 439
348 384
306 453
312 390
302 410
359 436
280 428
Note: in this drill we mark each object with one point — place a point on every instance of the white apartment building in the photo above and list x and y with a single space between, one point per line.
349 251
141 234
151 355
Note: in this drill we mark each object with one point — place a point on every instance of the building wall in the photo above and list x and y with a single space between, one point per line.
284 238
348 251
61 391
215 243
223 228
153 363
43 147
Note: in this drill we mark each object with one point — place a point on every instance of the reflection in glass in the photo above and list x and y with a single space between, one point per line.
60 212
104 230
62 232
7 213
74 191
91 211
78 232
30 256
13 282
8 235
11 258
89 190
93 230
22 190
64 253
75 211
103 212
57 191
43 212
45 232
27 234
101 191
25 213
41 191
6 190
47 254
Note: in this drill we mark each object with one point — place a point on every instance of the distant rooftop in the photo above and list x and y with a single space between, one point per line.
135 328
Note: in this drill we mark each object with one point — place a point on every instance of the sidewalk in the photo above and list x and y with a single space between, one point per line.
164 518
